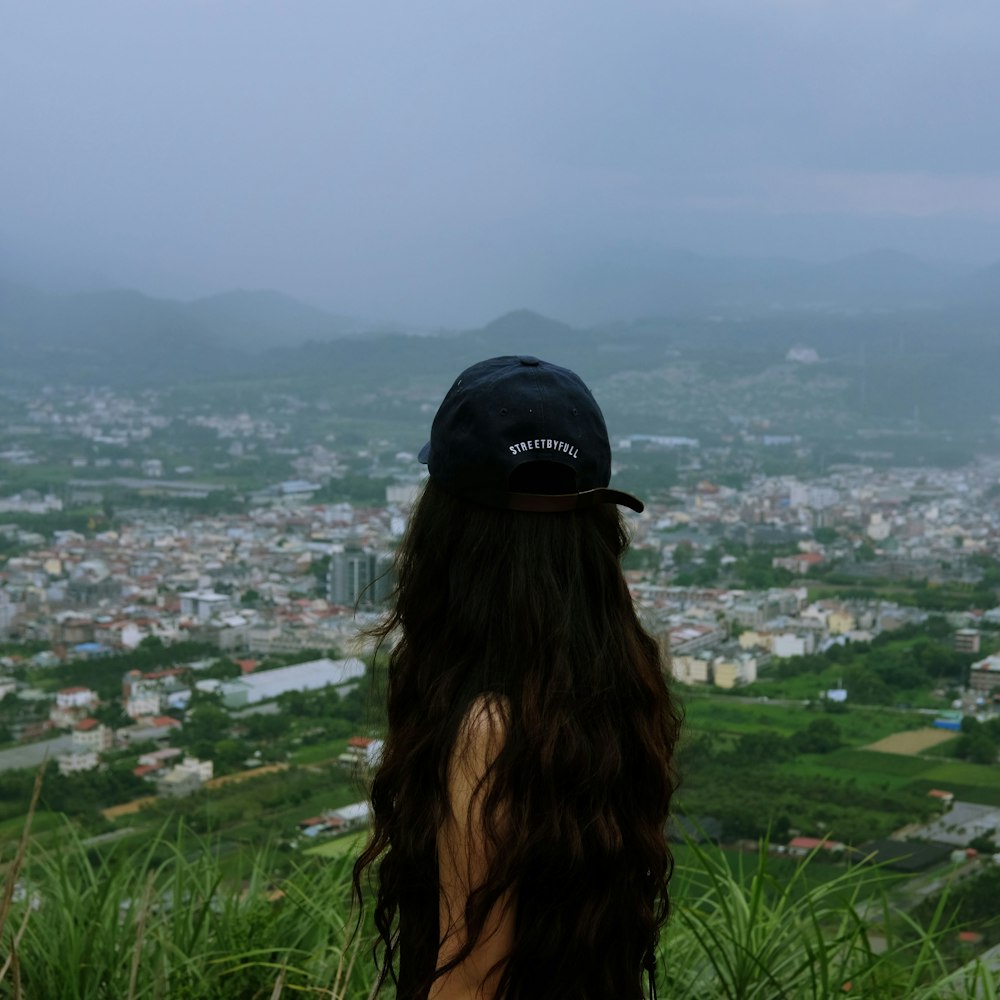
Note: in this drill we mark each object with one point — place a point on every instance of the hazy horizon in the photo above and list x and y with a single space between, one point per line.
440 165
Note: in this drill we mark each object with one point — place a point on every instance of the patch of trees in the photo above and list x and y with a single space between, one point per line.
907 660
305 717
742 784
969 904
980 741
104 674
212 504
78 795
354 488
912 593
83 520
649 473
751 571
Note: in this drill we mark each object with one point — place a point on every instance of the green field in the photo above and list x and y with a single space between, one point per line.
726 715
723 715
729 719
984 795
339 846
941 750
969 782
320 752
43 820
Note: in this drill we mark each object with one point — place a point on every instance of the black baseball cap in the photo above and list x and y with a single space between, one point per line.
522 434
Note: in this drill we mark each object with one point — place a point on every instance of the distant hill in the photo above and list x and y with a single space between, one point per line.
902 328
525 332
109 336
257 321
125 335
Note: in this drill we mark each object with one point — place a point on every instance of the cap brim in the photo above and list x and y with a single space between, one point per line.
555 502
423 456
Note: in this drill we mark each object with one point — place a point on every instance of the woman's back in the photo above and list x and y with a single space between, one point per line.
520 805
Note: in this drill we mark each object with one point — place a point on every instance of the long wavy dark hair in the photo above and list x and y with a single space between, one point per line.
533 609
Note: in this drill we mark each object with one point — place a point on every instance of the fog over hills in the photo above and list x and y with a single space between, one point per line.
903 338
622 285
258 320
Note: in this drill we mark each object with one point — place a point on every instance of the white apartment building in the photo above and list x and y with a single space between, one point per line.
202 604
789 644
72 704
91 735
76 697
186 778
143 701
77 760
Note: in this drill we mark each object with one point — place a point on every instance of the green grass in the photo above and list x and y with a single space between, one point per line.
871 769
941 750
745 934
320 752
721 714
170 922
338 847
806 767
983 796
43 821
964 773
861 725
725 715
874 762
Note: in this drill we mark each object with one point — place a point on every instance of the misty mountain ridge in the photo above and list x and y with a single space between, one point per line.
125 335
526 322
620 284
263 319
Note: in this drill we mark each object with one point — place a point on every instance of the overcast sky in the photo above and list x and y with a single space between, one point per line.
440 161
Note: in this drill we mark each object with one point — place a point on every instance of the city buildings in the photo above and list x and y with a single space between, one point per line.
359 577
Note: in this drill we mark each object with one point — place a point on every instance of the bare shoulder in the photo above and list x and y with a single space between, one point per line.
466 842
479 741
483 731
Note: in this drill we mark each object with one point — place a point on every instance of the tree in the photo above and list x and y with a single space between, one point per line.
937 627
820 736
865 552
866 687
754 749
222 670
112 714
983 844
976 747
683 553
205 726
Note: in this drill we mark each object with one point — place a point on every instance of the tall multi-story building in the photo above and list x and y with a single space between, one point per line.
359 577
967 640
8 611
202 604
984 676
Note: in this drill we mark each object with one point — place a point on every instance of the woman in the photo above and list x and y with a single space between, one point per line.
519 808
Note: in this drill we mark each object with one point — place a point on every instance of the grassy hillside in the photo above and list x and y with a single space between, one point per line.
169 924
